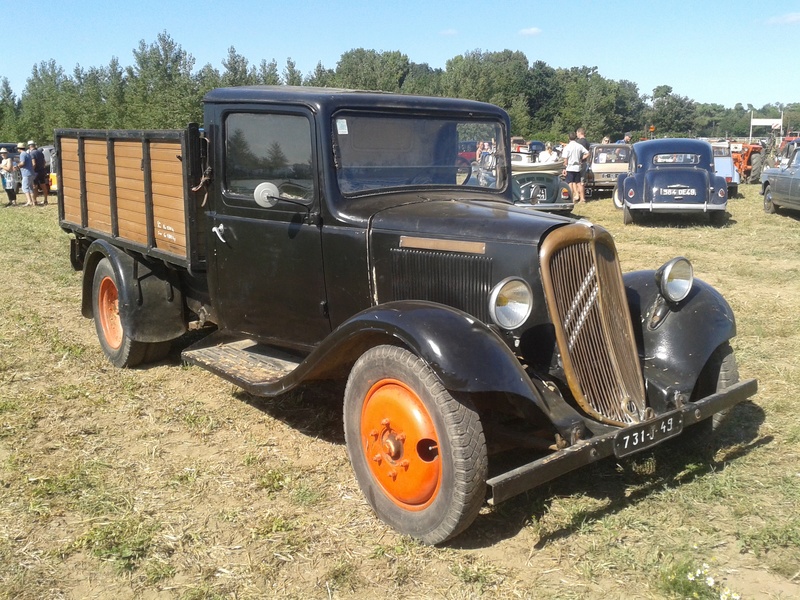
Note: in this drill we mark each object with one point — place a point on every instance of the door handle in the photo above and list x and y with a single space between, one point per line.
220 231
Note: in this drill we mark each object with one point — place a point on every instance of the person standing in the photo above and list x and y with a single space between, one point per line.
8 171
580 137
41 182
626 139
27 173
574 154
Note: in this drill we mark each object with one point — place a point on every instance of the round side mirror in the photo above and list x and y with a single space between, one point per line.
266 194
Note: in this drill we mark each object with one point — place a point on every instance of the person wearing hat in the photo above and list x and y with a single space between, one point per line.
8 171
626 139
27 173
41 182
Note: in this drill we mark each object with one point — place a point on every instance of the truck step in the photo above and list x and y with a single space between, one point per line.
246 363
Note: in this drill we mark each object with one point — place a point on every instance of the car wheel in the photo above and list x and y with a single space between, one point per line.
616 195
419 455
756 164
769 206
627 216
117 345
719 373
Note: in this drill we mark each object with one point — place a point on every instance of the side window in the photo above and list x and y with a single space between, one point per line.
268 148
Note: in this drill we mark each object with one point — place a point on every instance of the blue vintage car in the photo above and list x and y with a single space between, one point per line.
781 185
672 176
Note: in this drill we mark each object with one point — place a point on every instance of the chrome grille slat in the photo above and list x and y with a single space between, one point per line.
587 303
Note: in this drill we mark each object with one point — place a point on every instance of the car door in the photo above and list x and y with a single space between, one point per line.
793 172
265 239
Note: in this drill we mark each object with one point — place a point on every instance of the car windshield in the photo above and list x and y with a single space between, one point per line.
676 159
721 151
610 153
387 151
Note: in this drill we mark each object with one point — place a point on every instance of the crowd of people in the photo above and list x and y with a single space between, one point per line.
27 173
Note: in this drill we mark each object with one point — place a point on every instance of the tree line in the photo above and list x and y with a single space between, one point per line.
162 90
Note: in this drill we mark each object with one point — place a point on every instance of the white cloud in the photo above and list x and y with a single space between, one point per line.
530 31
788 19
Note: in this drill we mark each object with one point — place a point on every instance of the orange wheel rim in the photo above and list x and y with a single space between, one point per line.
108 306
401 445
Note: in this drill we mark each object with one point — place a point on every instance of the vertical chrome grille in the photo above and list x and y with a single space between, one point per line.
586 299
459 280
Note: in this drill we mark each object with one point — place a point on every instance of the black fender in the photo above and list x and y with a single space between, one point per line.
465 354
151 305
675 352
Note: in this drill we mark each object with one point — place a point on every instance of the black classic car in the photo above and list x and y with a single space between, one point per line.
672 176
541 190
780 185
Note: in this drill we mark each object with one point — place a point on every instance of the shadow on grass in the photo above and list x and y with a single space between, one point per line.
621 483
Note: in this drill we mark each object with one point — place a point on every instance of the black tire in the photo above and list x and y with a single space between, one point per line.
756 165
117 345
769 206
627 216
616 196
719 373
419 455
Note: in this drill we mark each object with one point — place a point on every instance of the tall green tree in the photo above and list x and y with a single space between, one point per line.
291 74
162 92
237 71
9 112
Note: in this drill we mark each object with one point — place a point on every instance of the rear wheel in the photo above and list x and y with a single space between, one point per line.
117 345
756 164
616 195
418 453
627 216
769 206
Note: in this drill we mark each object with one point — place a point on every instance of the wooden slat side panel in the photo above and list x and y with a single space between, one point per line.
98 196
70 180
131 216
167 189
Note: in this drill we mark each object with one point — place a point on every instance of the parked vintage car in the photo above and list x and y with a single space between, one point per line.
780 185
541 190
672 176
724 166
606 162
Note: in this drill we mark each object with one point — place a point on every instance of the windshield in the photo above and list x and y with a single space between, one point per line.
610 153
375 152
676 159
721 151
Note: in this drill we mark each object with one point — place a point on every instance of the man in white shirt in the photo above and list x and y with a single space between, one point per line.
574 154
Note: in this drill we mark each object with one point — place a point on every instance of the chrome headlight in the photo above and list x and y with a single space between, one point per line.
675 279
510 303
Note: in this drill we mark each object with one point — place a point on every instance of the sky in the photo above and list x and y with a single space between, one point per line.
724 52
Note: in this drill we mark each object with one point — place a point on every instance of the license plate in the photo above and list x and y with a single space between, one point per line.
541 194
646 435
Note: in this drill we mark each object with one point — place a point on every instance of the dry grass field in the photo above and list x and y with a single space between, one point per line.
167 482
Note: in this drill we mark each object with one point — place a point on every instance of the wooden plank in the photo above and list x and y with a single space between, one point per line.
127 150
124 162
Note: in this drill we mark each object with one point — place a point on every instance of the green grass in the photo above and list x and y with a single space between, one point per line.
168 481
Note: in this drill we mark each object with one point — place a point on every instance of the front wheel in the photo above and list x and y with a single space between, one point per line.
419 455
769 206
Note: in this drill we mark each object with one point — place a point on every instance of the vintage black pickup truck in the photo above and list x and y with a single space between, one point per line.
327 235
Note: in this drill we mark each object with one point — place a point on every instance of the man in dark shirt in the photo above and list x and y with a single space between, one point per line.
41 182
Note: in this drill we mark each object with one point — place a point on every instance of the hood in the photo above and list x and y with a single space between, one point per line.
469 220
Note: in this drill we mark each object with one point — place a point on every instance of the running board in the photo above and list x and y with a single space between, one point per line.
248 364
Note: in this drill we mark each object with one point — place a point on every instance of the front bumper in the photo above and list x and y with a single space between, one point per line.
509 484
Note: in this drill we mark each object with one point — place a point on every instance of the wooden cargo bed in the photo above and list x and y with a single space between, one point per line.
134 188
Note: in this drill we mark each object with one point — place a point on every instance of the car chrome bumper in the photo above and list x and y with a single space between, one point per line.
509 484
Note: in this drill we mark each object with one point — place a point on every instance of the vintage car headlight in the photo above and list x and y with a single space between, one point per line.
510 303
675 279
